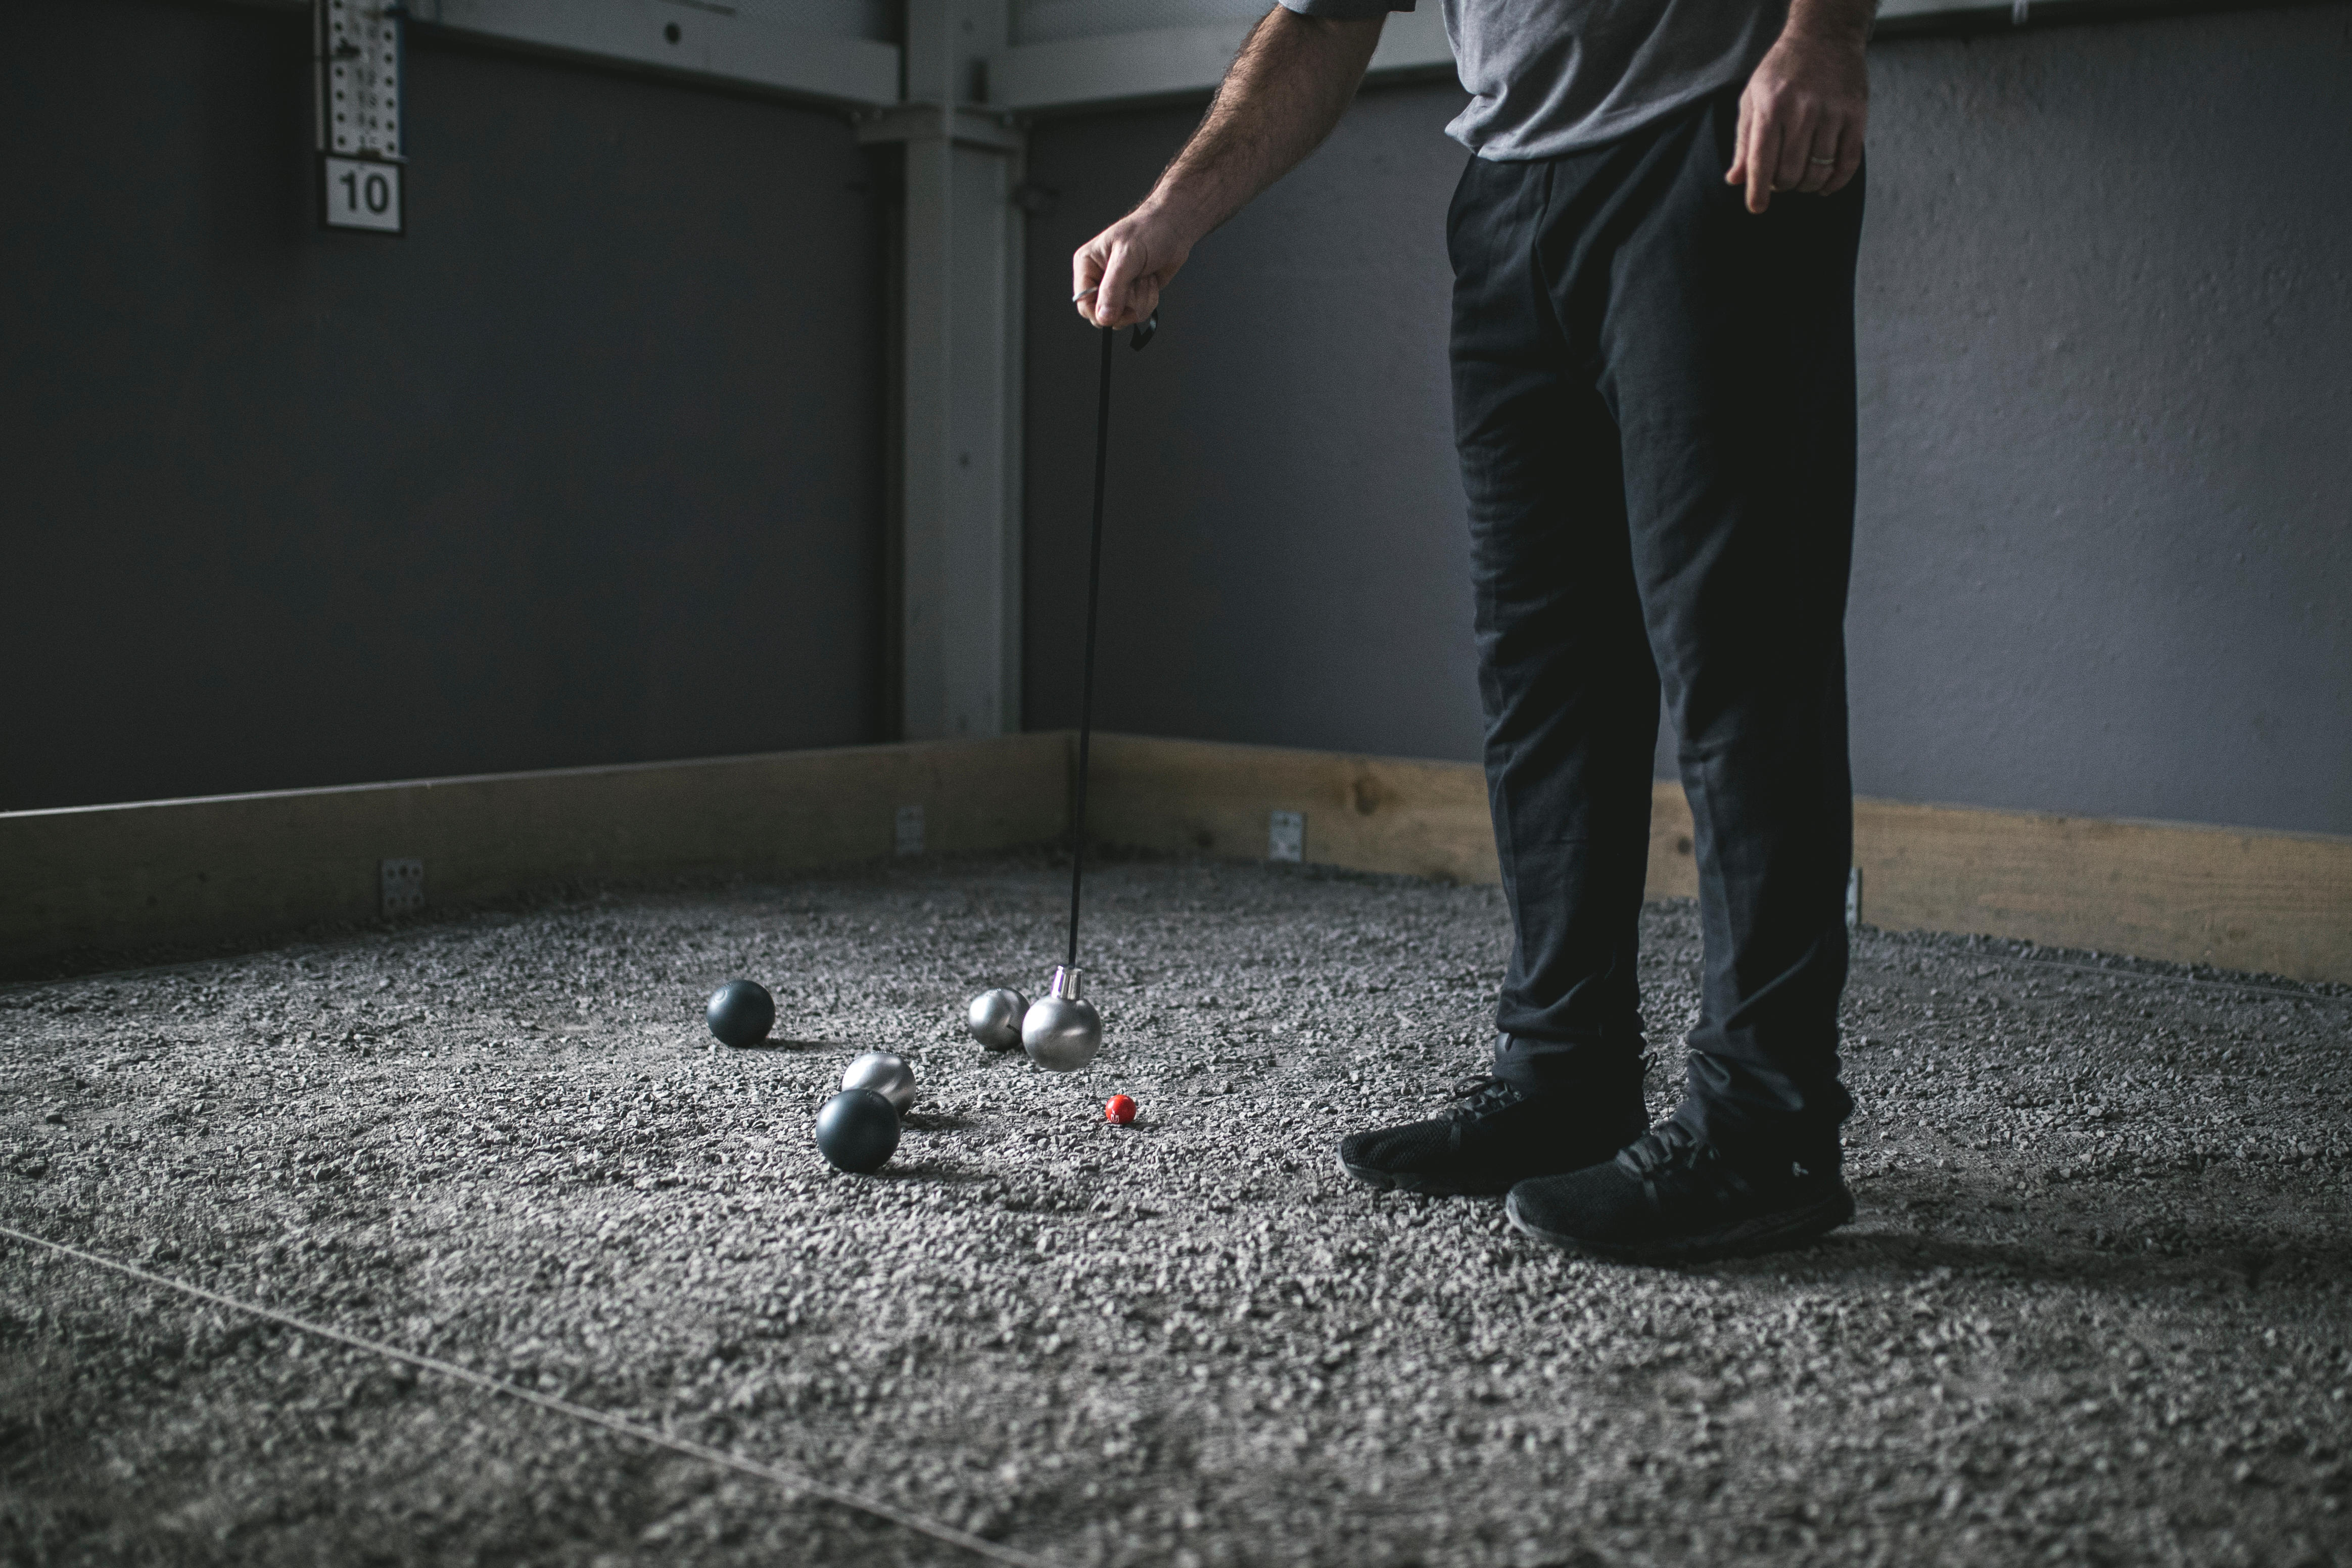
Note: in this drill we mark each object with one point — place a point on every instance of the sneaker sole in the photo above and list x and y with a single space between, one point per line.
1426 1187
1764 1233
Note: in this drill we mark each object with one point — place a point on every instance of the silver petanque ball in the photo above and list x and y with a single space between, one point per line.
994 1017
1061 1031
885 1074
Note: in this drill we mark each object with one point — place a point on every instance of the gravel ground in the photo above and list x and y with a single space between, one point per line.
2094 1309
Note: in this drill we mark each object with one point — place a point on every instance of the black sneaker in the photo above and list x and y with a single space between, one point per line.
1671 1197
1496 1133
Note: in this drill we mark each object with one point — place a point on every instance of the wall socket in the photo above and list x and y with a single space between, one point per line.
909 839
403 884
1286 836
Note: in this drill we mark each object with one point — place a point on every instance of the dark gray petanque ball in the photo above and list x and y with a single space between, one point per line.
741 1012
856 1131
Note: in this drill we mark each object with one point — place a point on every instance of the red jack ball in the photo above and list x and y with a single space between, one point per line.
1119 1111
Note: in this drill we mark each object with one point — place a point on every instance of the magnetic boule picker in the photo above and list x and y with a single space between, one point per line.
1061 1031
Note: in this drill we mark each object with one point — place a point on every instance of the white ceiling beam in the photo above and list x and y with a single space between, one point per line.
747 44
1110 68
1073 73
1177 62
750 51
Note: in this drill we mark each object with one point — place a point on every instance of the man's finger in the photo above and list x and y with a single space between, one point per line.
1085 273
1820 157
1798 124
1763 157
1849 160
1147 300
1737 173
1111 291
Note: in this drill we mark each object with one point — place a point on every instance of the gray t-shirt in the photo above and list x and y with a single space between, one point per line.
1548 77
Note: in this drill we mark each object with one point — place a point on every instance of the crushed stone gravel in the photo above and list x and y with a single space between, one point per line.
2096 1307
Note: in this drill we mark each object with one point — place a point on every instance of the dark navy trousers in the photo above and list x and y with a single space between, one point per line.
1654 395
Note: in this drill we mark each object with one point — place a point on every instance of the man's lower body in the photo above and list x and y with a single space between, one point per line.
1655 406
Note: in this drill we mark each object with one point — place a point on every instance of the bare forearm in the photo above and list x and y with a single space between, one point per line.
1833 21
1292 82
1283 96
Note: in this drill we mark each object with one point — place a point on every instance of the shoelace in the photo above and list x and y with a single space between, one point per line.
1670 1156
1479 1093
1663 1148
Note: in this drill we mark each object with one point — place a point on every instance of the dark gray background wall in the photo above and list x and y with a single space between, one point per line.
2103 553
584 469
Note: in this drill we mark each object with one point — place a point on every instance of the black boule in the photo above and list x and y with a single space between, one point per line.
741 1012
856 1131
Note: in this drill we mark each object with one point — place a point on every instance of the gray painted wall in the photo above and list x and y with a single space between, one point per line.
2106 321
584 469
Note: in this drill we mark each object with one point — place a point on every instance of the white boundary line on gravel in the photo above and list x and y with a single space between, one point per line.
789 1479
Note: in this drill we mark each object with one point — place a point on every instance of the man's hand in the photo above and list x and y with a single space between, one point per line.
1802 117
1281 97
1116 277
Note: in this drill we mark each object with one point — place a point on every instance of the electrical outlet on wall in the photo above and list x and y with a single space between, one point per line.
910 830
1286 836
402 885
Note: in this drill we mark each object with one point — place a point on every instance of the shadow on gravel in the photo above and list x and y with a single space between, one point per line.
923 1171
2150 1248
1901 1257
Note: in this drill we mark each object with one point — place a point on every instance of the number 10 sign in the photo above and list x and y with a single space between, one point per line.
360 193
356 50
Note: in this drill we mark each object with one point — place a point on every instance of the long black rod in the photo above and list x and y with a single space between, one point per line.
1094 602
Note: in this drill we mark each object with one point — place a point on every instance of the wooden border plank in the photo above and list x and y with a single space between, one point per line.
123 877
156 872
2277 903
1366 813
2274 902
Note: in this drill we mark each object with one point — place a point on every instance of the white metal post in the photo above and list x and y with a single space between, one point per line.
961 550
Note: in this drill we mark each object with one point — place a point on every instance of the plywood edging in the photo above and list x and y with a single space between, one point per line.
158 873
2272 903
148 874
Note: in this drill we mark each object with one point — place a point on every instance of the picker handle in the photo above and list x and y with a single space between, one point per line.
1143 335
